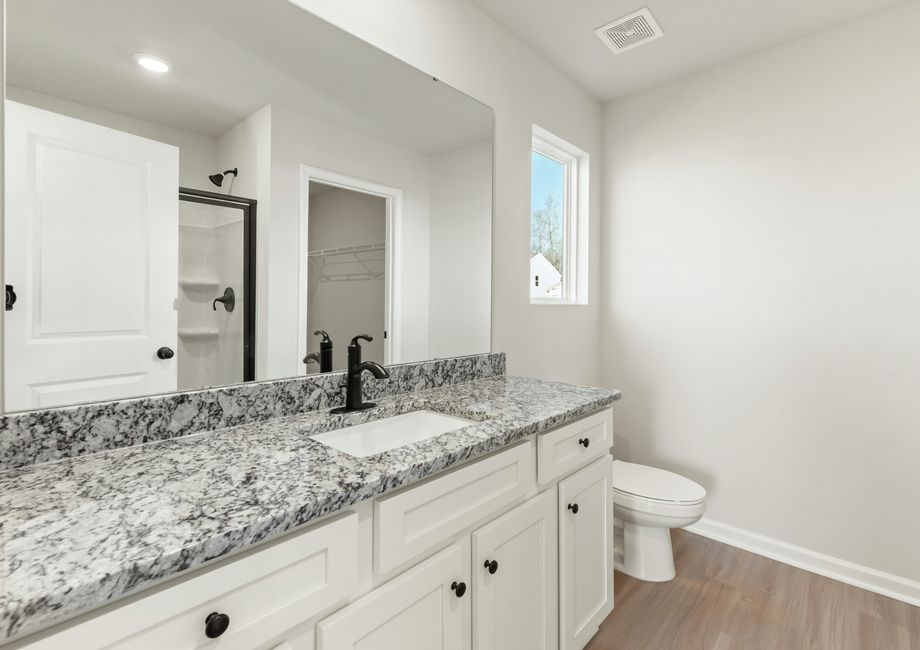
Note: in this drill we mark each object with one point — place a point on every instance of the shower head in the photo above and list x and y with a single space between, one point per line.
218 179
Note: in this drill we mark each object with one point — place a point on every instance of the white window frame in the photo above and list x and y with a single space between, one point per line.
574 216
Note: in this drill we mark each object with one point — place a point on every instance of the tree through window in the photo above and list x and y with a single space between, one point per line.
546 227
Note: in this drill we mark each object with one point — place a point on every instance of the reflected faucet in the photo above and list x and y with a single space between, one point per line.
324 356
354 400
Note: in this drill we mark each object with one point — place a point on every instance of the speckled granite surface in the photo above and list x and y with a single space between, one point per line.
45 435
80 532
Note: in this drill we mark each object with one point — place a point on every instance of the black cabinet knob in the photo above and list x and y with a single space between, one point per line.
216 624
491 566
10 297
165 353
584 441
459 588
573 508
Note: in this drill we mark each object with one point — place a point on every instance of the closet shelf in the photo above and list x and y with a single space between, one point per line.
199 284
348 263
348 250
198 333
350 277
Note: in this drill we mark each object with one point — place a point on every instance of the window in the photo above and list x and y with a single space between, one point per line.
558 221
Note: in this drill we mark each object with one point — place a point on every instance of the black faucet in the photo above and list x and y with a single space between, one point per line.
354 400
324 356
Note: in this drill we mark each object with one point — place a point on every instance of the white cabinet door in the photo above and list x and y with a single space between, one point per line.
91 248
418 610
515 608
585 553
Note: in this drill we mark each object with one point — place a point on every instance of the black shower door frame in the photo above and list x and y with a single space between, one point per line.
248 206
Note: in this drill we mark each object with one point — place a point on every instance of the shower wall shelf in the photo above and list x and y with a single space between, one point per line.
198 333
199 284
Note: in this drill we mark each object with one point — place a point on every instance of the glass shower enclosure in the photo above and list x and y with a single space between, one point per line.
216 305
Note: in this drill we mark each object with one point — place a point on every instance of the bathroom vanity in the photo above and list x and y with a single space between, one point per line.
497 534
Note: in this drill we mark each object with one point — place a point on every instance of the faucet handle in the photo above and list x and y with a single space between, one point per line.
367 338
326 343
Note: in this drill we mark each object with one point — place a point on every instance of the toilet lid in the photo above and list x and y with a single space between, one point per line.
654 483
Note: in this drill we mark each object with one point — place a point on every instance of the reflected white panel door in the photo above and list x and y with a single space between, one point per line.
515 579
418 610
91 248
585 553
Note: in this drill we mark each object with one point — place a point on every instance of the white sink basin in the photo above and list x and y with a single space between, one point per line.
390 433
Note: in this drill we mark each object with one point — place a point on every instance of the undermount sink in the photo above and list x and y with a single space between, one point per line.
377 436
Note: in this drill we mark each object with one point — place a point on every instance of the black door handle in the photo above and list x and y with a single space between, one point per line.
216 624
459 588
491 566
165 353
10 297
573 508
584 441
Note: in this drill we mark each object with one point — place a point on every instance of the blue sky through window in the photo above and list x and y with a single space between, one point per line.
546 176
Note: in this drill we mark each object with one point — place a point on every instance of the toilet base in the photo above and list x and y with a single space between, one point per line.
644 553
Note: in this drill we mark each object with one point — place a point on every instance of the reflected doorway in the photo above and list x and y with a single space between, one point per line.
216 304
346 271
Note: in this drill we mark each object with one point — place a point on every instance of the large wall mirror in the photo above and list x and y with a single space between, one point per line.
170 230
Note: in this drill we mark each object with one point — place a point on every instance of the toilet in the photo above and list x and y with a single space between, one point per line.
647 503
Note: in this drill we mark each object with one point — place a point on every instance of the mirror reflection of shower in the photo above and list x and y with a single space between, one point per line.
215 302
218 179
345 271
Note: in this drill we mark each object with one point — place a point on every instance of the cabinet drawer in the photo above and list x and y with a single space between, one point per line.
417 518
264 593
561 450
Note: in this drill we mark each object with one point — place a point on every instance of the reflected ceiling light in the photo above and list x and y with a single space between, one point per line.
154 63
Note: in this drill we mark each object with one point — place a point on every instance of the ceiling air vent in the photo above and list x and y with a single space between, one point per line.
629 31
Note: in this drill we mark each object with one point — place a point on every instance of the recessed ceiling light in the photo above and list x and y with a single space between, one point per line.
154 63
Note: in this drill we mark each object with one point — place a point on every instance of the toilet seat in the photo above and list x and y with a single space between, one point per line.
673 509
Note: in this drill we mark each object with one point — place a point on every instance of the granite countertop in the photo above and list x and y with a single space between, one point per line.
78 533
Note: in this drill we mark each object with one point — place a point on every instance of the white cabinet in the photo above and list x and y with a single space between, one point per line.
515 579
585 552
426 607
551 588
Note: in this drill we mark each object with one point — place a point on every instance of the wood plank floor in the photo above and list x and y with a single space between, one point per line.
724 598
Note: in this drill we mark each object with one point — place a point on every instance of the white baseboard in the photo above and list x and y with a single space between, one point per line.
849 573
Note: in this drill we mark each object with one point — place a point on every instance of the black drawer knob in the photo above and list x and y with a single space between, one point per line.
492 566
584 441
216 624
459 588
574 508
165 353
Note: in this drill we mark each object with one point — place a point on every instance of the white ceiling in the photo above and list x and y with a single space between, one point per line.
698 34
230 58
